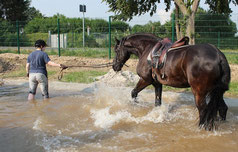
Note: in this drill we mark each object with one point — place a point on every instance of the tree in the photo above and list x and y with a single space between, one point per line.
151 27
12 10
127 9
32 12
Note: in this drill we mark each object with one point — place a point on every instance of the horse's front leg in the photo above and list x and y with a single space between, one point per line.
158 93
139 86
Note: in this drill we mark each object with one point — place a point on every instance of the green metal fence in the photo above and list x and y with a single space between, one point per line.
100 33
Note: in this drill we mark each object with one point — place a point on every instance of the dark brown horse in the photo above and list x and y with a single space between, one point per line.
202 67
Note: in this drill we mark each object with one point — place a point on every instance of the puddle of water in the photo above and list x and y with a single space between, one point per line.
96 117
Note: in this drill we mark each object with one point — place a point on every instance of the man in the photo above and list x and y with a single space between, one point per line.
36 70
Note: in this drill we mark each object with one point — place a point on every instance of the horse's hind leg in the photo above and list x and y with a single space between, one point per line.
139 86
158 93
222 109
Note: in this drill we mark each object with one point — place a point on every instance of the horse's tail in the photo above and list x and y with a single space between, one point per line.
225 72
209 113
214 97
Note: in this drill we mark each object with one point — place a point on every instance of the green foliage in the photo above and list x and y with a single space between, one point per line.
69 25
42 25
119 26
153 27
219 29
6 37
33 13
220 6
206 21
31 38
76 40
98 25
12 10
126 10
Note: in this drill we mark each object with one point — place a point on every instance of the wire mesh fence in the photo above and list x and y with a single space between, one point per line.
65 32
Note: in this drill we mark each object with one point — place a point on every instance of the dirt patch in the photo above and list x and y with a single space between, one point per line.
10 62
234 73
5 65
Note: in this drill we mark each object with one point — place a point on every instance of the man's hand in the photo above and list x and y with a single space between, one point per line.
63 66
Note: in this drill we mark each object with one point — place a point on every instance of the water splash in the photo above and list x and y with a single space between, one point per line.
103 118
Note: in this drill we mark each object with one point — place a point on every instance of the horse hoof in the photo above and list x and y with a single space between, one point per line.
133 94
135 100
220 119
157 104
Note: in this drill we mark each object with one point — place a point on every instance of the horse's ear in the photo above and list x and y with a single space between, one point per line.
117 41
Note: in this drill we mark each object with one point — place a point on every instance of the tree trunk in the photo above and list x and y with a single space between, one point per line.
190 28
188 11
179 33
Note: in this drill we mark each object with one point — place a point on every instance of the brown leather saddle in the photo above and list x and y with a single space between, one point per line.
161 48
158 55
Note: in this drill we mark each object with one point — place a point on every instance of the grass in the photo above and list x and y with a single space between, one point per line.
168 88
15 52
82 76
21 72
232 57
87 52
233 88
51 73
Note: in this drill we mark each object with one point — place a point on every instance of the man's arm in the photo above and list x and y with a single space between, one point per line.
53 64
27 69
58 65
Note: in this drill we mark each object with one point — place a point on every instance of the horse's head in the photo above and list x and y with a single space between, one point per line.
121 54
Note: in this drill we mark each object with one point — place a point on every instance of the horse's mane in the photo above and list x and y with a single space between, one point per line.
138 37
142 36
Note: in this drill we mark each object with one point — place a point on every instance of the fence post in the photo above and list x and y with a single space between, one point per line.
109 37
218 39
18 38
58 27
63 41
173 24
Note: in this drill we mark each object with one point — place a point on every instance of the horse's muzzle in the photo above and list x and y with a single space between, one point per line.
116 67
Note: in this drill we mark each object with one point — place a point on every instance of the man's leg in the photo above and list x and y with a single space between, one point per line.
32 86
43 82
31 96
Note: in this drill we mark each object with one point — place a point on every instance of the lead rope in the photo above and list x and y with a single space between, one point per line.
60 76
